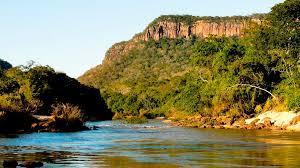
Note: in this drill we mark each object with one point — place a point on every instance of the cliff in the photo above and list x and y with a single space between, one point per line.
118 49
202 28
185 26
192 26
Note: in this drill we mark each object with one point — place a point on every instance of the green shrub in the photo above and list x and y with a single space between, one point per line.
154 113
294 103
136 120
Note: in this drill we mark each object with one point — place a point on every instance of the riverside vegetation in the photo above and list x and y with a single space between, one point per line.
216 79
197 82
204 81
30 91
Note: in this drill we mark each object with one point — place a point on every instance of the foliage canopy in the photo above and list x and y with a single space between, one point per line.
213 76
34 89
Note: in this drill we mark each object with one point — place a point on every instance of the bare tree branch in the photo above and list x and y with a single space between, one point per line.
257 88
204 80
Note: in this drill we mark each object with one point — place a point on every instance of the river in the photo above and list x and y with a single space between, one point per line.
155 144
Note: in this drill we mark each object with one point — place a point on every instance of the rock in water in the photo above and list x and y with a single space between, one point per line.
10 163
31 164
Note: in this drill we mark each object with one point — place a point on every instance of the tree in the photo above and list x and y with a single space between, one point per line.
4 65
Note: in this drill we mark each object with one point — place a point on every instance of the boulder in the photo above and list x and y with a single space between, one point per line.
31 164
250 126
260 126
95 128
241 123
34 126
295 120
267 122
208 126
10 163
219 127
223 120
254 122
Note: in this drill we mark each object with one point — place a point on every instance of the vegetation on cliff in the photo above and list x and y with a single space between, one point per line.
190 20
216 76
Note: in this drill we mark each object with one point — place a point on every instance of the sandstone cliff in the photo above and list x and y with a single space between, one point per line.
200 27
171 27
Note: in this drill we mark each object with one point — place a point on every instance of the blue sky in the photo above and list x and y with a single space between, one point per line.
73 35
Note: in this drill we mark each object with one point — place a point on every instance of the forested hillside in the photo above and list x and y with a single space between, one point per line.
214 76
39 90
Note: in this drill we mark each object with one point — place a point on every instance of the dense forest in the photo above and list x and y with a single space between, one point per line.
216 76
39 90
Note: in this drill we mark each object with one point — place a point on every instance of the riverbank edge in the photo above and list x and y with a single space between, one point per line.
270 120
42 124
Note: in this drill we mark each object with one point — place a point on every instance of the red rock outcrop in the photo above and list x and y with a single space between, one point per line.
200 29
177 27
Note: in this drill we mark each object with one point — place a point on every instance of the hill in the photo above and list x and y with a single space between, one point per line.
207 66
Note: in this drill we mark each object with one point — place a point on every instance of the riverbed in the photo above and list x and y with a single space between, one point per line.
155 144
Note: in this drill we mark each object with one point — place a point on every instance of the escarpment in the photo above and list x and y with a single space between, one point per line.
172 27
200 29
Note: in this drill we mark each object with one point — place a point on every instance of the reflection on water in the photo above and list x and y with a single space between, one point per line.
155 145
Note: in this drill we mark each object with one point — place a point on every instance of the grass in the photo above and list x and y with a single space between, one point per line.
67 117
136 120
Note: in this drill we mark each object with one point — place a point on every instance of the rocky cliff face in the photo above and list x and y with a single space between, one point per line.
184 27
200 29
118 49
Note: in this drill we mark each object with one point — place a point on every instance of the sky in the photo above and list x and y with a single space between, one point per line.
72 36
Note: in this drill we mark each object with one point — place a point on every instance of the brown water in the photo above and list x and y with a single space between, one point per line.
153 145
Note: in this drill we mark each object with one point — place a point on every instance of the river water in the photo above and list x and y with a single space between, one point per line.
154 144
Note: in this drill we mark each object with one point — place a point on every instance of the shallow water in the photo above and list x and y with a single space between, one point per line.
155 144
